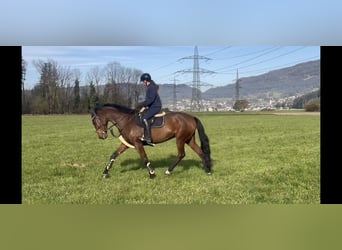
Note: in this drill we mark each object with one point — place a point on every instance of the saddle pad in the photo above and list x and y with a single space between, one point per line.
156 122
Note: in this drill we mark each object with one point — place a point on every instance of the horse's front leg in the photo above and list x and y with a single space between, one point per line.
122 148
147 163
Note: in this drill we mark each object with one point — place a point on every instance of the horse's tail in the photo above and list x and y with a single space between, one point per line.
204 145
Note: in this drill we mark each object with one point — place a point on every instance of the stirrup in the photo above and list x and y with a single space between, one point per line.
142 138
147 142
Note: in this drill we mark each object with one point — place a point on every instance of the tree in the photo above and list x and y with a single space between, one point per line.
240 105
63 92
59 90
48 83
133 90
23 74
95 75
93 98
301 101
114 72
313 105
77 97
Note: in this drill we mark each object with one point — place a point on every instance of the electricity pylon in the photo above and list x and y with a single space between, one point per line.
196 100
237 87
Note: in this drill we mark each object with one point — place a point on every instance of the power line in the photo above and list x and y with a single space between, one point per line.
161 67
246 54
230 70
250 59
270 59
219 50
281 66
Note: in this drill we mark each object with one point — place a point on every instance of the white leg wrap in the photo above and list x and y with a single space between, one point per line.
151 171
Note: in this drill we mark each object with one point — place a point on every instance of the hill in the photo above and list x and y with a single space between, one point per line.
291 81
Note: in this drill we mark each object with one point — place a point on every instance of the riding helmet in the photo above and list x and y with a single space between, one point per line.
145 77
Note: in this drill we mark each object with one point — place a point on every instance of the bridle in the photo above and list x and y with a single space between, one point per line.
98 125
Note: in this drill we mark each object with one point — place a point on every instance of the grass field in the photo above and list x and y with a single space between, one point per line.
258 158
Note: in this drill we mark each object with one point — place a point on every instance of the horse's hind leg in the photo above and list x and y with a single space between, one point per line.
119 151
180 156
192 143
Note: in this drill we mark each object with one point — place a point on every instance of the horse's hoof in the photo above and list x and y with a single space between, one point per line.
152 176
209 173
105 176
167 172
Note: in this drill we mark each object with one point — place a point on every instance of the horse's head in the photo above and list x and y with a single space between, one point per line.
100 125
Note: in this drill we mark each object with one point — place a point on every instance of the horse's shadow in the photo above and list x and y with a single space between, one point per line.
137 164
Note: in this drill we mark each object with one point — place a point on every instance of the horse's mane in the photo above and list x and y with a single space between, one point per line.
118 107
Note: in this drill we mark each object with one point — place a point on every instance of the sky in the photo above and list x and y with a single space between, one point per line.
176 22
172 64
151 34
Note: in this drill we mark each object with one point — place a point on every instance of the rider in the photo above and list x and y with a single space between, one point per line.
152 103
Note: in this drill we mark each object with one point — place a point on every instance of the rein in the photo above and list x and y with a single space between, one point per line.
111 130
110 127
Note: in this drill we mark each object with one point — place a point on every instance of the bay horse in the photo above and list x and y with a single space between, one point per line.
178 125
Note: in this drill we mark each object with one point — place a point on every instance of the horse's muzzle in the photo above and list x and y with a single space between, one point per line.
101 134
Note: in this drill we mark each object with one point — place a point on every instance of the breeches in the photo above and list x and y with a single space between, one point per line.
151 112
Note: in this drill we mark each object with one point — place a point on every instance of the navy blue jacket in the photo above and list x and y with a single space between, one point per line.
152 100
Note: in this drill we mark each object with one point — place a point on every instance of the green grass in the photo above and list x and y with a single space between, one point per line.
258 158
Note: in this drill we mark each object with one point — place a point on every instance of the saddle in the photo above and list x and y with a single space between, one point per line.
157 121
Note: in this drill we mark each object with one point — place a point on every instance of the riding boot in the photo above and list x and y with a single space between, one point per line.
147 133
